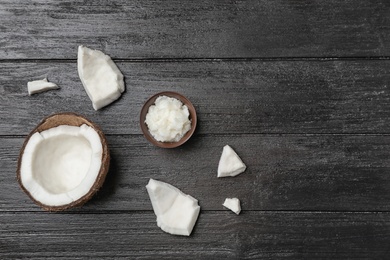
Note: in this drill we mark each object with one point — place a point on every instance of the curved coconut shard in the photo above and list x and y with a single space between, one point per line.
176 212
101 78
38 86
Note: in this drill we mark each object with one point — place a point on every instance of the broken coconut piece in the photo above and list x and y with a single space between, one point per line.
63 162
101 78
38 86
176 212
233 204
230 164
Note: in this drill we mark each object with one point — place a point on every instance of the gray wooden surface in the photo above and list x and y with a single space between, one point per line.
300 89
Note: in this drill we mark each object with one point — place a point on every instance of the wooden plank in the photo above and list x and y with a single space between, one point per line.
335 172
230 97
217 235
166 29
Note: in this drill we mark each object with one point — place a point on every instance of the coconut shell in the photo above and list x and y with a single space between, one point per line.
71 119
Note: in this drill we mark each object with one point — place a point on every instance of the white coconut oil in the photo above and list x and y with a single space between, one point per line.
168 119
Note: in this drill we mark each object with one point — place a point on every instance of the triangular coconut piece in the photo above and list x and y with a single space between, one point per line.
101 78
230 163
176 212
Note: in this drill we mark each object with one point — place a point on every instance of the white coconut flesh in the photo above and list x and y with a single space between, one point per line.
233 204
230 164
60 165
38 86
176 212
100 77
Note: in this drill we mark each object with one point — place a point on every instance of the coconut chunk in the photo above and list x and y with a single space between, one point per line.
38 86
100 77
176 212
230 164
233 204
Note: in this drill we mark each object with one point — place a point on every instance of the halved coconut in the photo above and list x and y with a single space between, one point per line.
63 162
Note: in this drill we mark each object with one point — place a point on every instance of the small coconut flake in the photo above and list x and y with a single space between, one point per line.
176 212
100 77
38 86
233 204
230 164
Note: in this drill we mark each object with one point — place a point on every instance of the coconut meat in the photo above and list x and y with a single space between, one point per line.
230 164
38 86
100 77
176 212
233 204
60 165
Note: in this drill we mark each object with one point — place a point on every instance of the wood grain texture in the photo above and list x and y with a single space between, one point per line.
217 235
330 173
230 97
300 89
188 29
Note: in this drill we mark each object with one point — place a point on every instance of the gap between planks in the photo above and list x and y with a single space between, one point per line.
209 59
75 211
7 136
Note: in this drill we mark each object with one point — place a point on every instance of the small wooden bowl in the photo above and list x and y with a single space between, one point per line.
192 117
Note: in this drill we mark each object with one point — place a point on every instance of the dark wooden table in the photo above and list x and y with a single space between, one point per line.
300 89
